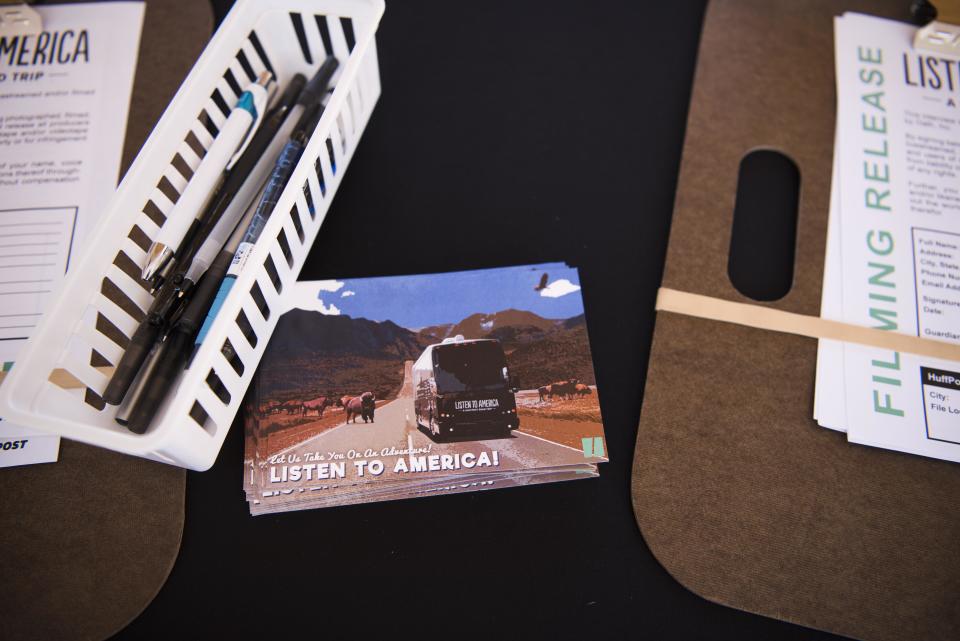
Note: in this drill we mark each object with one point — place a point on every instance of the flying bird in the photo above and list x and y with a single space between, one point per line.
543 282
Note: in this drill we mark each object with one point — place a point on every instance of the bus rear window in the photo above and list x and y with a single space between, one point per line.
471 366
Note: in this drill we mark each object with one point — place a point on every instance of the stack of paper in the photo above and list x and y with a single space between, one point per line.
385 388
64 98
893 251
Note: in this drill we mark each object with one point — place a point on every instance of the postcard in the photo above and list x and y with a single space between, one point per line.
411 385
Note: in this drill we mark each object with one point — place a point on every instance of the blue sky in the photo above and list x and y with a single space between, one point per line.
432 299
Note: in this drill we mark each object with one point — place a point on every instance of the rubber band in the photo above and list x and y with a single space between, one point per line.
760 317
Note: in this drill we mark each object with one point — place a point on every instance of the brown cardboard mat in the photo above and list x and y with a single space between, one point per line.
88 541
737 491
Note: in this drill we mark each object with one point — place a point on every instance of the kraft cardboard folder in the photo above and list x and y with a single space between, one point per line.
88 541
738 492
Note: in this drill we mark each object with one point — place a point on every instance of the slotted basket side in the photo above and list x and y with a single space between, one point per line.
56 384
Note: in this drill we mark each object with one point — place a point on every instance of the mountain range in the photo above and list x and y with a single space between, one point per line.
480 325
311 354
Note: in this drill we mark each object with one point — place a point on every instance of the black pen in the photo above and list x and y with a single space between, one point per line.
170 294
284 167
174 352
194 322
237 179
221 234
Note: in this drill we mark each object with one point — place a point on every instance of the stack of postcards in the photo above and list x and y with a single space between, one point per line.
385 388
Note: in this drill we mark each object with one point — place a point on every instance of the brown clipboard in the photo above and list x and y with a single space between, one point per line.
738 492
88 541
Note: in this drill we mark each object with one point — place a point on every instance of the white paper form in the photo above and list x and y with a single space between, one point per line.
64 100
830 407
898 126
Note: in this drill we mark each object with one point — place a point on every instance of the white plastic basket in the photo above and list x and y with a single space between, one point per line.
102 299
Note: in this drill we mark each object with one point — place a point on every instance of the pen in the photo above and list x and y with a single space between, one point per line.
227 147
138 386
173 353
241 184
213 287
231 201
278 180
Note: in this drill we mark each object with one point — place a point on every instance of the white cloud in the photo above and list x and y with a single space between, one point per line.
329 285
329 310
347 293
558 288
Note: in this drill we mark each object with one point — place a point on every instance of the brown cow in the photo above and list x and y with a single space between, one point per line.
269 408
290 407
368 405
362 406
582 390
317 405
566 389
544 391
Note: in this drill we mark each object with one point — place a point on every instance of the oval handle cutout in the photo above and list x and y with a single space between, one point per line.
764 235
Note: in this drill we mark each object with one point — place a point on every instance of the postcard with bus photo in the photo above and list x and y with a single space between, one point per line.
409 385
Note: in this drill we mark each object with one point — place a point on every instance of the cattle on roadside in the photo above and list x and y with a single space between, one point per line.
290 407
582 390
317 405
268 408
566 389
368 406
544 391
362 406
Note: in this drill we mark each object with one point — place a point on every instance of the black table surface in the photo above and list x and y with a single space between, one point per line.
507 133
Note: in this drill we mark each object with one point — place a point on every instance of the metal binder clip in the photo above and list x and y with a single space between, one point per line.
19 19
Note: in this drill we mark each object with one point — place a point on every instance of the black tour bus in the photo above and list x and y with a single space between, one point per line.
463 387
